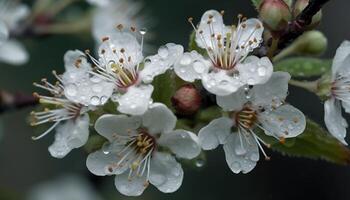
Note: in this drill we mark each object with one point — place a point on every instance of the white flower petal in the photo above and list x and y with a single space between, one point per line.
249 33
232 102
343 51
166 174
159 119
255 70
334 120
274 91
111 125
183 143
70 135
346 106
136 100
216 27
76 61
120 45
13 13
215 133
191 66
99 2
284 122
241 153
161 62
221 84
4 33
106 161
13 52
130 186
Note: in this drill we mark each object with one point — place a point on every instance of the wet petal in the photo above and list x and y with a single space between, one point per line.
215 27
75 60
166 173
120 45
13 52
161 62
159 119
191 66
215 133
334 120
221 84
342 53
136 100
70 135
183 143
346 106
241 153
133 185
232 102
255 70
249 33
283 122
274 91
110 126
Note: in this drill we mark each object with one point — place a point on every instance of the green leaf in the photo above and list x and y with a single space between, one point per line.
315 143
164 88
304 67
192 45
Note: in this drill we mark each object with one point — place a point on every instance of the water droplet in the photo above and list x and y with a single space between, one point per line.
95 101
250 81
115 97
71 90
254 157
262 71
143 31
106 148
95 79
186 60
163 52
236 165
199 67
212 82
103 99
247 96
224 82
182 69
199 162
240 150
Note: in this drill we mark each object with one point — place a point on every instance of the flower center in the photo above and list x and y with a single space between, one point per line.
144 143
125 76
246 118
341 88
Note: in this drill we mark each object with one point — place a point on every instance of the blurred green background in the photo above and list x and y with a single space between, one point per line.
25 163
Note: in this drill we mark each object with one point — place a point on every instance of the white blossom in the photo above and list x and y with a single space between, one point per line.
121 62
69 119
68 187
262 108
339 93
11 13
139 150
226 66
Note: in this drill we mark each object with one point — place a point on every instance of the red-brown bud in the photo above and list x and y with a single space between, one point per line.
187 100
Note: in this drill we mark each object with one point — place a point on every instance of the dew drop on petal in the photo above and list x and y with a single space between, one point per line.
198 67
199 162
97 88
143 31
163 52
254 157
94 101
103 99
240 150
250 81
185 60
236 165
105 148
95 79
224 82
71 90
261 71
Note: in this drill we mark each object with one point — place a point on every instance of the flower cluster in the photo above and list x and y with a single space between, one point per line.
144 140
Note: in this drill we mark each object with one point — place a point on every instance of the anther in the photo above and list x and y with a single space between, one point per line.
105 39
120 27
222 12
133 29
190 19
122 50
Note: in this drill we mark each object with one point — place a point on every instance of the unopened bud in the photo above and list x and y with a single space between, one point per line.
275 14
300 6
311 43
187 99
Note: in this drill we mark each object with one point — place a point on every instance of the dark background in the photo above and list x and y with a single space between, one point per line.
24 163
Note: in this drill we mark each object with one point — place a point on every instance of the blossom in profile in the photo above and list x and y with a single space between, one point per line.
339 94
121 62
261 108
226 65
140 150
11 14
